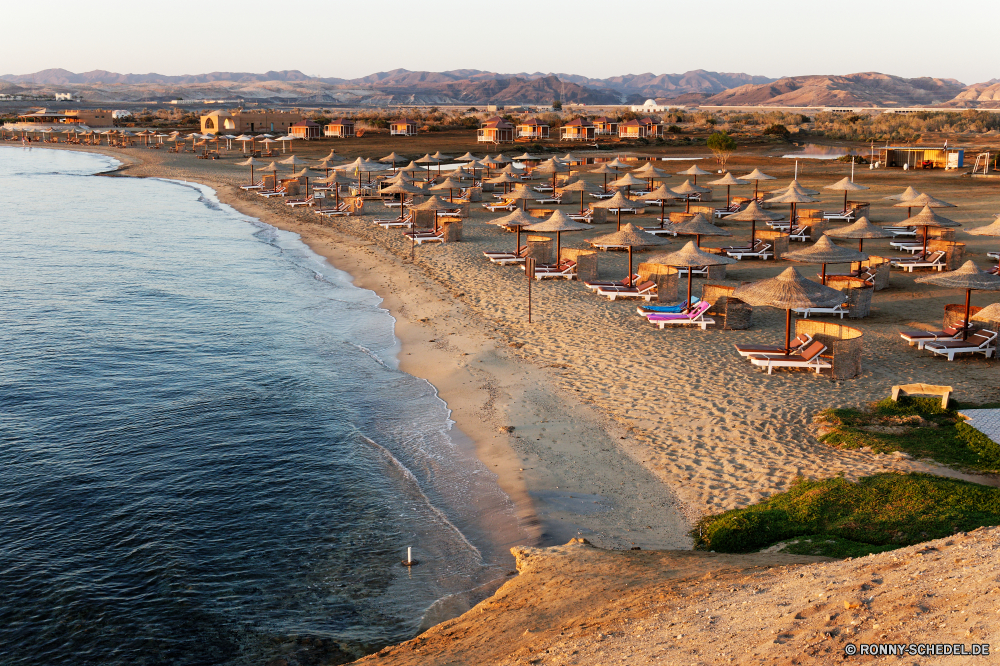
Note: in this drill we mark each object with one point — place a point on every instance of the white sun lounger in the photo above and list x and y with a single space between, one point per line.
935 261
797 343
981 342
696 317
645 290
808 312
809 358
763 252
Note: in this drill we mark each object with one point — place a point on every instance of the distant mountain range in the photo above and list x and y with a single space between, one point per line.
477 87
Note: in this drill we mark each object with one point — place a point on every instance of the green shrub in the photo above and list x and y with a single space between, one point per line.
674 129
777 130
888 509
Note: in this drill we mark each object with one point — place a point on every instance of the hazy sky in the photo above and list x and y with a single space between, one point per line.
588 37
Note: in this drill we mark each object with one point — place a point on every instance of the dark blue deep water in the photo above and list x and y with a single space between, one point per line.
207 454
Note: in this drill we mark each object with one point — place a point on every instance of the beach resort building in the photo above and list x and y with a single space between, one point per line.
495 130
645 128
533 128
241 122
921 157
403 128
306 129
605 126
88 117
341 128
580 129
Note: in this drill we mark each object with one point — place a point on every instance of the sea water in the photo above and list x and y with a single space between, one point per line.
207 452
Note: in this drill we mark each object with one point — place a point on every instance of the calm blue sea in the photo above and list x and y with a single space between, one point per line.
207 453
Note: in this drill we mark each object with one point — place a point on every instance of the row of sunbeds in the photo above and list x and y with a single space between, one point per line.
949 341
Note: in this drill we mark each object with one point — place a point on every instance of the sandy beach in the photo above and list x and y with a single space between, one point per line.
622 433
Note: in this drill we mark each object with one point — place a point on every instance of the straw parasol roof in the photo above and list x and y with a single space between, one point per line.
299 174
687 187
605 170
928 218
249 162
698 226
448 183
630 236
337 178
753 213
401 188
923 200
501 158
489 161
558 222
434 203
528 157
628 180
989 313
618 164
906 195
427 159
756 175
617 201
518 218
825 251
794 186
690 255
521 192
660 193
293 161
570 157
694 170
468 157
968 276
790 196
393 158
992 229
845 184
729 179
439 156
787 291
861 230
503 178
647 170
410 168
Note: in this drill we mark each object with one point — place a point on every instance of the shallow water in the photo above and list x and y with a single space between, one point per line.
209 455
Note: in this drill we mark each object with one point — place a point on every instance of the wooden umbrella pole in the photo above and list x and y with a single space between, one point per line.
690 273
965 329
823 278
630 265
788 332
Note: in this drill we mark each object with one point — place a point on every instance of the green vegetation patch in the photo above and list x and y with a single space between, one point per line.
916 426
876 513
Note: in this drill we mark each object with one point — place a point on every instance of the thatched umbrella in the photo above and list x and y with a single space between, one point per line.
436 204
824 251
695 171
449 184
411 168
627 181
619 202
549 166
468 157
402 189
698 226
756 176
992 229
690 256
250 163
687 188
581 186
273 168
523 194
729 180
505 179
619 164
570 157
512 170
847 185
325 165
789 290
605 170
967 277
392 158
503 159
336 179
661 194
795 186
516 220
528 157
991 313
556 224
794 198
650 172
489 162
440 157
861 230
927 218
905 195
753 214
630 236
428 160
302 173
922 200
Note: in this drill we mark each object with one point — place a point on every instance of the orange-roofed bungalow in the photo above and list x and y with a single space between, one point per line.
495 130
605 126
340 128
533 128
654 127
580 129
403 128
305 129
631 129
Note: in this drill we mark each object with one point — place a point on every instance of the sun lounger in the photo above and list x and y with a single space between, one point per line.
800 234
602 195
542 188
566 269
763 252
809 358
981 342
308 201
645 290
280 192
597 284
835 310
907 246
993 255
935 261
901 231
868 275
401 221
796 345
505 205
846 215
920 338
259 185
549 200
666 230
696 317
722 212
646 310
587 217
342 209
433 238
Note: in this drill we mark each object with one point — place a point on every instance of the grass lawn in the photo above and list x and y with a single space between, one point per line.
840 518
916 426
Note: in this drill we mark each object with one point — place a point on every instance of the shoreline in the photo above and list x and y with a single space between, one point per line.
487 389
